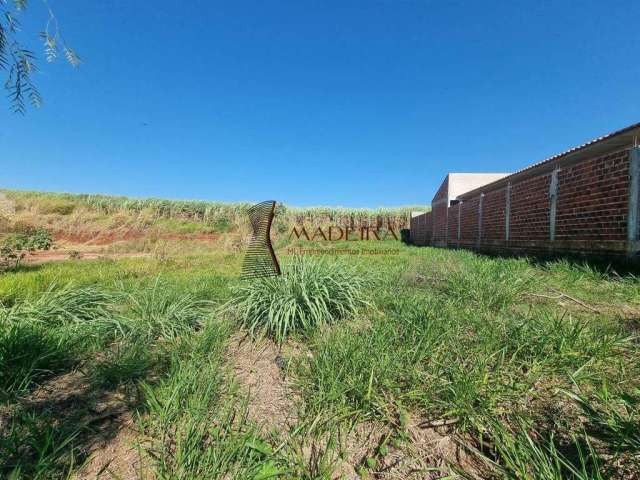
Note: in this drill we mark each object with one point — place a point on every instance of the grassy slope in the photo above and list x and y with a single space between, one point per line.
483 343
86 216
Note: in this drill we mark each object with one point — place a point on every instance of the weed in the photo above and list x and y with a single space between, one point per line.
614 420
487 283
520 452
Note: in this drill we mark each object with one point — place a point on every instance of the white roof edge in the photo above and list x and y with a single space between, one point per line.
460 183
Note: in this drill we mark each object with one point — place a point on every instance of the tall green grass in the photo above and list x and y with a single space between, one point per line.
536 387
38 445
311 293
49 334
488 283
197 423
152 317
131 335
45 336
520 452
462 348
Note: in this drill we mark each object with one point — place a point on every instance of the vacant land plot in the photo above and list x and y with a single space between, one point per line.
433 364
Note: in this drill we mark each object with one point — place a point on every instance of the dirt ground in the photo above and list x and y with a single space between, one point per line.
107 237
427 452
259 370
107 433
40 257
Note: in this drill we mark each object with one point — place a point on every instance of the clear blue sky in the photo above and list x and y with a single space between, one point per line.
363 103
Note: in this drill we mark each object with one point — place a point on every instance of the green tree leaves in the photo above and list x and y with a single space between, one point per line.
19 62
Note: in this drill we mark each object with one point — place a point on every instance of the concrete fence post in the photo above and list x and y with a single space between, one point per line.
459 220
446 223
507 212
553 203
634 199
433 224
424 229
479 240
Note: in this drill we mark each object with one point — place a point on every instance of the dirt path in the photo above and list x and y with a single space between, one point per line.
114 458
107 237
426 452
258 367
40 257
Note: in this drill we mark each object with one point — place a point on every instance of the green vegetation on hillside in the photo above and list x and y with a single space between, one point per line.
219 215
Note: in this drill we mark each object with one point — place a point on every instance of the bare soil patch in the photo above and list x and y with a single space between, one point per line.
107 237
46 256
427 452
107 435
258 369
115 457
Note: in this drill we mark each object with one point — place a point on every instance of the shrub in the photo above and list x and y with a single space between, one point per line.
39 239
15 246
222 225
310 293
59 207
13 249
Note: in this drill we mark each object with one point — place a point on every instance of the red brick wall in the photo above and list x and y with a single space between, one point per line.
469 222
420 229
591 211
428 223
593 199
529 222
493 216
452 239
439 223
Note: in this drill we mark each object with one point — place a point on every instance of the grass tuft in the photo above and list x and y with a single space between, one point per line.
520 452
162 311
488 283
309 294
43 336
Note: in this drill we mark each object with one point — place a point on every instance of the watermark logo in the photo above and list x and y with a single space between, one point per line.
335 233
260 259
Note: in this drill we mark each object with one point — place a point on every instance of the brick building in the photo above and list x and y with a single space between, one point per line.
584 200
